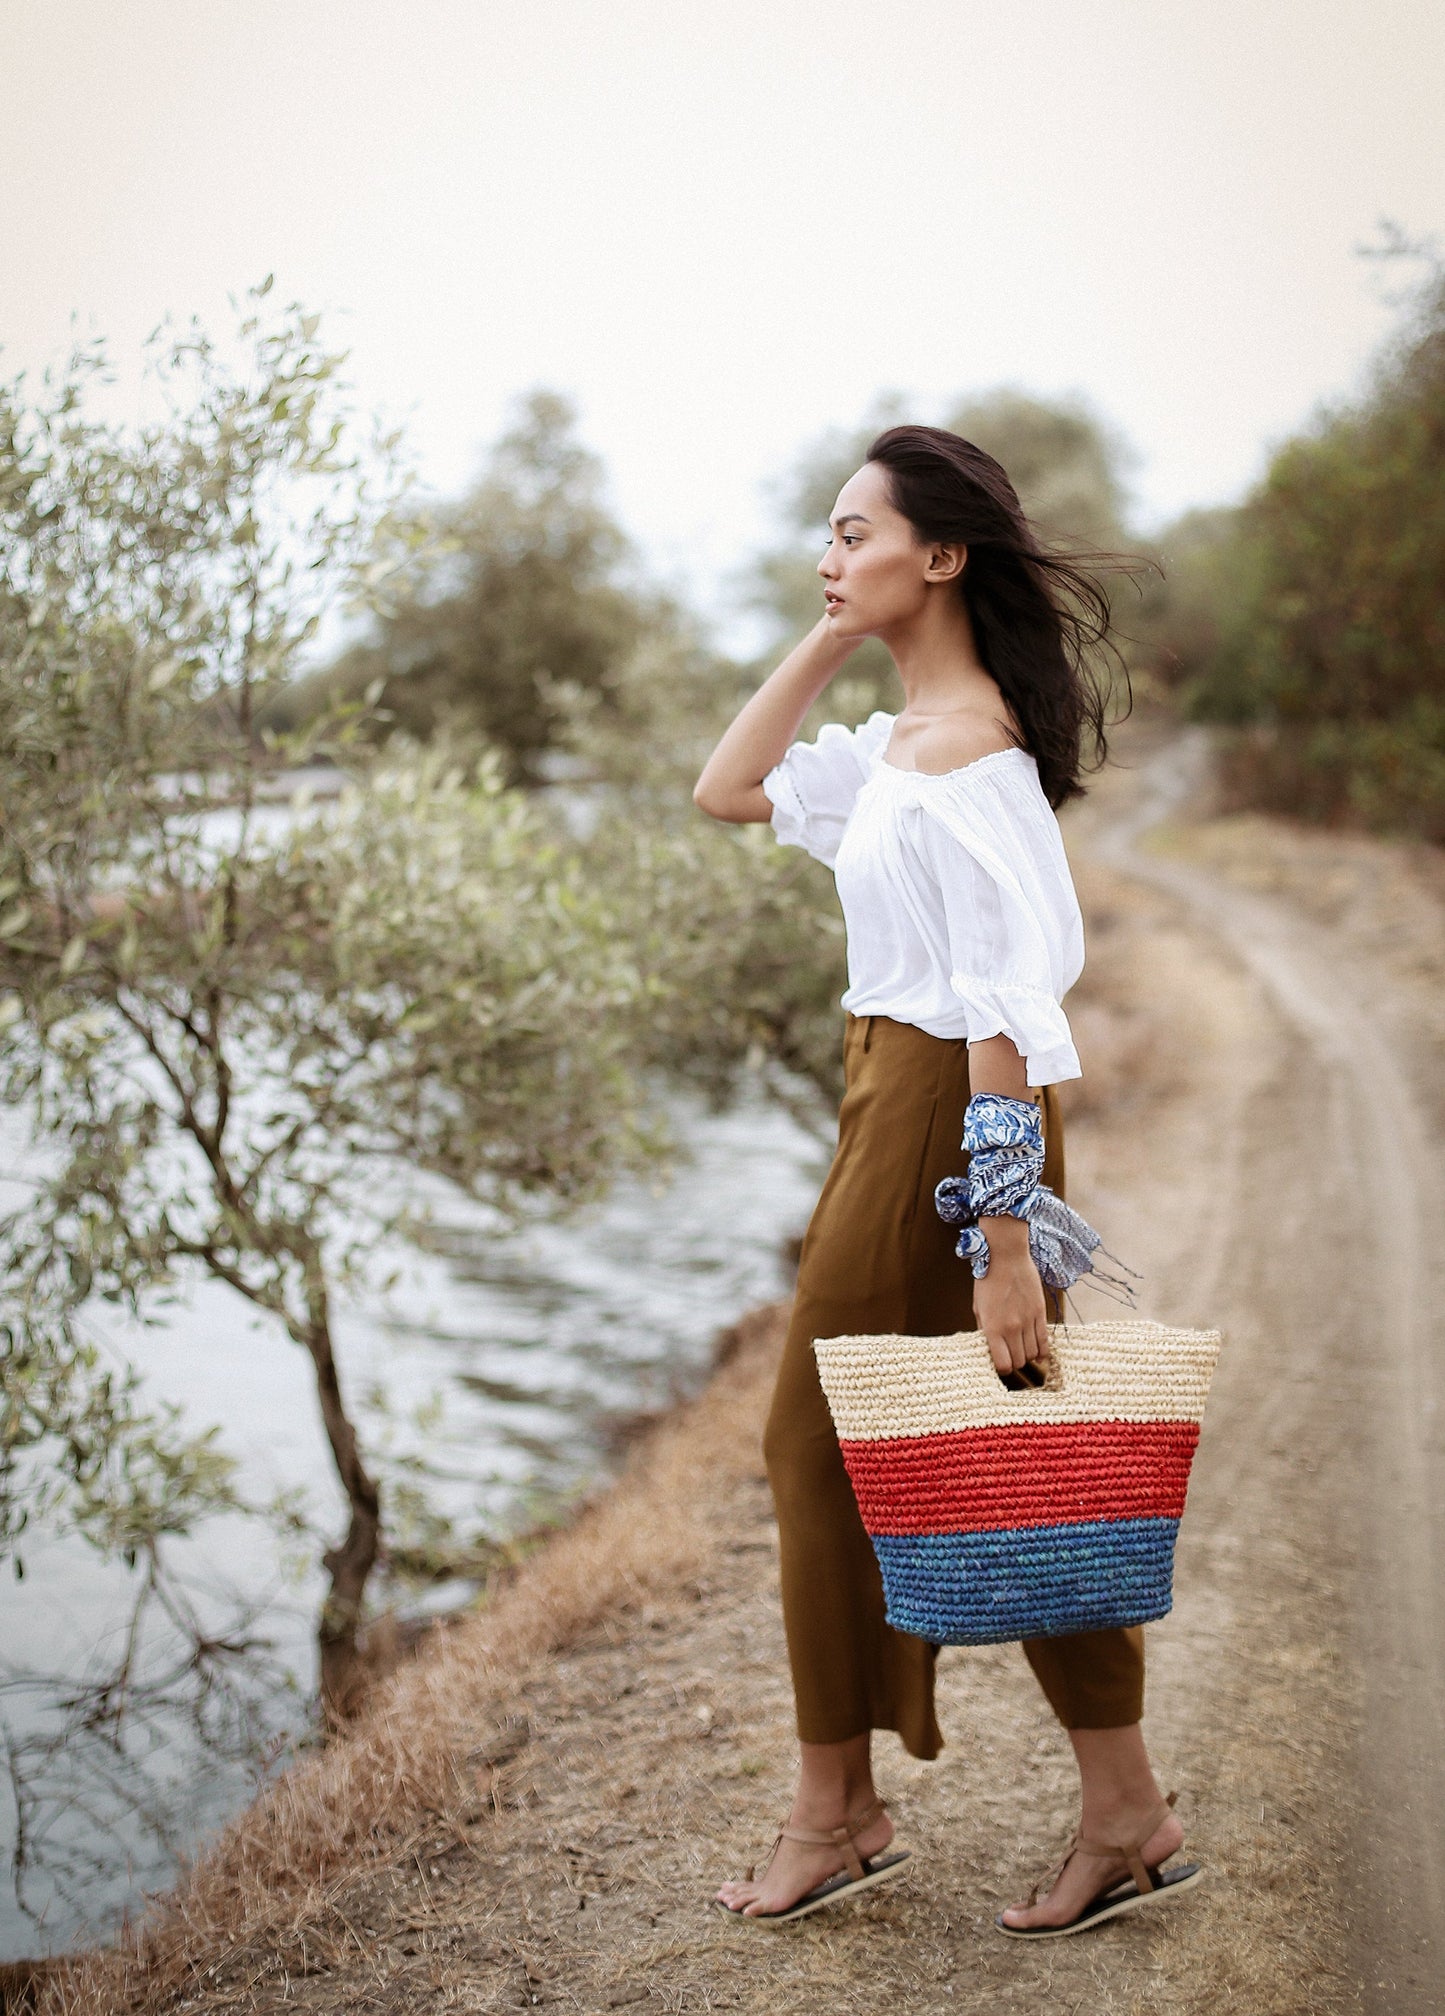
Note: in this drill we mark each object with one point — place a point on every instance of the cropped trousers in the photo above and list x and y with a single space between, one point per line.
877 1259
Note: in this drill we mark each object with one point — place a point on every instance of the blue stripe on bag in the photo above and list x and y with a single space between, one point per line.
1030 1582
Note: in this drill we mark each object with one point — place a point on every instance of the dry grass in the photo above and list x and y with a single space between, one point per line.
425 1755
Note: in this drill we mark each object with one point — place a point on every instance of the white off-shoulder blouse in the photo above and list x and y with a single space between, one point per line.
957 898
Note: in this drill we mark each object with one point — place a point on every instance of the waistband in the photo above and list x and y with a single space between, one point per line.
871 1029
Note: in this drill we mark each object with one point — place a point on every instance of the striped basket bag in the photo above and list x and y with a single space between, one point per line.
1000 1514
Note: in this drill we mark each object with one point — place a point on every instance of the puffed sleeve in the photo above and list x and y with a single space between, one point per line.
1015 935
813 787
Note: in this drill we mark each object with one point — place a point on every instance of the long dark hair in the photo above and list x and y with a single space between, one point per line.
1041 618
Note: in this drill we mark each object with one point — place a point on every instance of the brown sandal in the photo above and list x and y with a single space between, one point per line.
859 1872
1148 1886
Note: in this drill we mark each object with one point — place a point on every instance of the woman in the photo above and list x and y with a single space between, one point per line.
963 937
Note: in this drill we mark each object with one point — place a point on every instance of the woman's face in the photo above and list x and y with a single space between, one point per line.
877 573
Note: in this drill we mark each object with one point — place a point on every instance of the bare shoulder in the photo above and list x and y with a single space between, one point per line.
951 741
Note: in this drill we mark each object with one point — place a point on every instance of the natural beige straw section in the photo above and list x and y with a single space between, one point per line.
1108 1371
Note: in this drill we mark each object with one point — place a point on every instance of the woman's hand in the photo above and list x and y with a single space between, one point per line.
1008 1303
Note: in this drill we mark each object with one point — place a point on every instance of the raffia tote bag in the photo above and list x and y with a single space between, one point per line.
999 1514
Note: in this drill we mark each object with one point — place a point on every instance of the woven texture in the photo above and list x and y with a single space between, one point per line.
999 1514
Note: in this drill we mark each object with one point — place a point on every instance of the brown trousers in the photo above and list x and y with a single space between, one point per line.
877 1259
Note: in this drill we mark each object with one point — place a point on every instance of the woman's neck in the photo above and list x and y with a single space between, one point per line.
938 660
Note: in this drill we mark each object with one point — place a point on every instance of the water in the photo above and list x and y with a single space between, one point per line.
528 1346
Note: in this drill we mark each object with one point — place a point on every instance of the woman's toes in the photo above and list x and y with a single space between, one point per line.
1045 1912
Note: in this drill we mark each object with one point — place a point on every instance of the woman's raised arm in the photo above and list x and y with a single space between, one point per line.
731 784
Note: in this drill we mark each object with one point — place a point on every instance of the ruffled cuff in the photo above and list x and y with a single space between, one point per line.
789 821
1029 1016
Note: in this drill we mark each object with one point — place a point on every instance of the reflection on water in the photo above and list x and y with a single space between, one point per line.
530 1345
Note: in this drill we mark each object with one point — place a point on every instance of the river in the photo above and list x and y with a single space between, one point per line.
499 1365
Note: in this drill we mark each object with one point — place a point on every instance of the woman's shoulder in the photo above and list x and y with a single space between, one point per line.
952 744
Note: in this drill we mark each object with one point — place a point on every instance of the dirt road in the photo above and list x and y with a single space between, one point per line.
1324 1262
1263 1025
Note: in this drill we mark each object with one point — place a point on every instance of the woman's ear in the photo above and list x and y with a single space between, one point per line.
945 563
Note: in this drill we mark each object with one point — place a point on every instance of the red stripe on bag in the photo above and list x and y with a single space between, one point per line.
1032 1474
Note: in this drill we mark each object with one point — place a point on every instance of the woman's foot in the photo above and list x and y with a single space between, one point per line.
1086 1876
796 1867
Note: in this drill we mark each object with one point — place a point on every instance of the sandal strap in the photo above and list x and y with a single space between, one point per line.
1130 1852
1050 1877
836 1837
873 1810
753 1867
841 1838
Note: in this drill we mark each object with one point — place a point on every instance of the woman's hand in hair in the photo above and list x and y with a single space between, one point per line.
1008 1303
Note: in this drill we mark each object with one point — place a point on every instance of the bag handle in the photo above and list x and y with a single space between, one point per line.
1034 1376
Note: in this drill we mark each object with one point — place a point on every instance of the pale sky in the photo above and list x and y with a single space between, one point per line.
721 228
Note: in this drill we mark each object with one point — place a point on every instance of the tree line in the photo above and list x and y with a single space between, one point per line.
1308 623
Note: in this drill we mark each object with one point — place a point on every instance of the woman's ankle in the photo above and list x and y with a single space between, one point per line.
1118 1789
835 1783
1123 1818
831 1806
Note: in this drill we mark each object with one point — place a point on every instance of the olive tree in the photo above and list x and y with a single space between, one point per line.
232 1027
737 942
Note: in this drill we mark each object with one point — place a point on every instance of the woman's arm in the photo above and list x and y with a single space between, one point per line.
730 786
1008 1303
